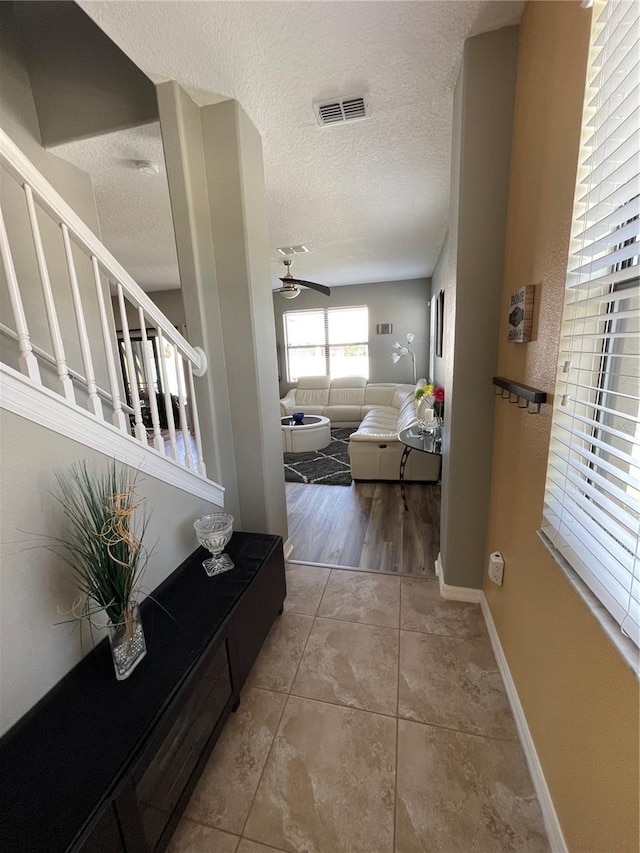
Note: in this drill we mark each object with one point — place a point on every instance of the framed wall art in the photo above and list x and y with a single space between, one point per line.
439 323
521 314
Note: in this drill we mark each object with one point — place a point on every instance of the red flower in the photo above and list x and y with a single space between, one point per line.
438 394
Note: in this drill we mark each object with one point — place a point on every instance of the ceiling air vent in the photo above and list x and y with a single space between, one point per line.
340 110
292 250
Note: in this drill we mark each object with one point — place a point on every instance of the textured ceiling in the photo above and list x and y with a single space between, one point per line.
369 199
134 209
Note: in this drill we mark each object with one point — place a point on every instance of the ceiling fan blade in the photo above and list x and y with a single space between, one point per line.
314 286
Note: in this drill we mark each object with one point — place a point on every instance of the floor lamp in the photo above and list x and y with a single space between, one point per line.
401 351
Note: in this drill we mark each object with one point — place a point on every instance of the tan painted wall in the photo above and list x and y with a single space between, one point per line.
580 700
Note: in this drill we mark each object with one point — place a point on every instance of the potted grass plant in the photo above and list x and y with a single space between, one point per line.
103 546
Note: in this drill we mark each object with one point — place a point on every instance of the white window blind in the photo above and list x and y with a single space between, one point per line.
327 342
592 497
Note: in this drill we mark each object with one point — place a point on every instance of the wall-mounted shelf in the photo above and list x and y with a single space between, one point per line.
524 395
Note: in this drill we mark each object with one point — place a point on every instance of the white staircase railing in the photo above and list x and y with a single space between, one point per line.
154 398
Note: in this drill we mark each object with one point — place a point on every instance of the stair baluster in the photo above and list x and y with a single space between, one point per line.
186 435
158 440
85 348
140 430
27 360
167 399
119 418
64 380
202 468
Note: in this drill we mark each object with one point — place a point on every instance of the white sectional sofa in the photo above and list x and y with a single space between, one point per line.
378 410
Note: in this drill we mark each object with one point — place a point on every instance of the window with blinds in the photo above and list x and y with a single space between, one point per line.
592 497
327 342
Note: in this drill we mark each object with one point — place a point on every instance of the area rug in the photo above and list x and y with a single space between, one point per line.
327 467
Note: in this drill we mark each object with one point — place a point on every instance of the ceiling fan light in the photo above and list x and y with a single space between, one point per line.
289 292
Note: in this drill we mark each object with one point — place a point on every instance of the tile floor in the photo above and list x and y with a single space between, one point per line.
374 721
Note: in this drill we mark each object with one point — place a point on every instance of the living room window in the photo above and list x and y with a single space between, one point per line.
327 341
592 497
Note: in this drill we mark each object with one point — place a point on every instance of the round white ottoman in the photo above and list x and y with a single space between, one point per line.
313 433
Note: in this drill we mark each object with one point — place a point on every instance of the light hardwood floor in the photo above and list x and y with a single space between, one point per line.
365 526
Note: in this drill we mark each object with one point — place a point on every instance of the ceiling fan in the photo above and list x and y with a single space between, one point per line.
290 284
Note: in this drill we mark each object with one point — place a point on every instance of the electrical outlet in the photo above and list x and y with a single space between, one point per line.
496 567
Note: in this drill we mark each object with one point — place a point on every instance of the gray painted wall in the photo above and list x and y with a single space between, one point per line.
216 183
403 303
470 270
36 588
83 84
236 185
168 301
181 127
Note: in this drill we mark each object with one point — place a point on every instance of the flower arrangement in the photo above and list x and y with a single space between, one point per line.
431 393
430 400
103 547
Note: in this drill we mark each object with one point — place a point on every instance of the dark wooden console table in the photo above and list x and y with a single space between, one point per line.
107 766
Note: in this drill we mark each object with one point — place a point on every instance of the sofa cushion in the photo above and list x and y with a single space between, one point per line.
380 422
407 418
402 396
349 382
378 394
338 414
312 391
346 397
306 397
313 382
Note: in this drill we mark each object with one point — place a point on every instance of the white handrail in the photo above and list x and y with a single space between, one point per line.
52 201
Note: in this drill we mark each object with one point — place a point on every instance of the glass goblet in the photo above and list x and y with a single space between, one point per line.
213 532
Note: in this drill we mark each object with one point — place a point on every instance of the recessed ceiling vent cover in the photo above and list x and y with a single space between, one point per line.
340 110
292 250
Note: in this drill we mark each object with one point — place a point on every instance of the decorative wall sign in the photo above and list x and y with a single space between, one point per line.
521 314
384 329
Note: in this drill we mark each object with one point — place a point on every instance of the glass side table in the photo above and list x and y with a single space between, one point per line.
414 439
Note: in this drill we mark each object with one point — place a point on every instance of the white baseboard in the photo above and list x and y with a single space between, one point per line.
288 549
551 822
456 593
26 398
